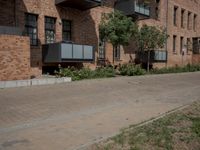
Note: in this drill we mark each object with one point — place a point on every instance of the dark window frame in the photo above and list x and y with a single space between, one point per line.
30 25
182 18
102 52
50 26
175 15
174 43
188 44
181 44
195 22
188 20
117 53
66 31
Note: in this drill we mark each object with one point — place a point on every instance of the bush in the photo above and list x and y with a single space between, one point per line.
131 70
85 73
187 68
124 70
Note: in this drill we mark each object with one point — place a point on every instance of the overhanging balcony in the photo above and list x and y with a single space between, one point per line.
155 56
10 30
67 52
133 8
78 4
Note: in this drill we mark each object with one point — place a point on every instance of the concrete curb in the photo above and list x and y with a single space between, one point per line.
33 82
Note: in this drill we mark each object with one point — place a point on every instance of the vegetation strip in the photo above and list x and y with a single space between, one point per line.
121 70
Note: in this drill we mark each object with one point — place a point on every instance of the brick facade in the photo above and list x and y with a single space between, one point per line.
14 57
85 27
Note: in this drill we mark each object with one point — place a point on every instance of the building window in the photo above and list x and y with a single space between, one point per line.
188 20
31 28
181 44
67 30
174 43
195 46
101 49
50 29
188 45
182 18
175 15
117 53
194 22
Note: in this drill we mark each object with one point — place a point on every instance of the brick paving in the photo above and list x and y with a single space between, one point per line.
68 116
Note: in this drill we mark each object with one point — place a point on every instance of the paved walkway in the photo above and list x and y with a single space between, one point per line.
70 116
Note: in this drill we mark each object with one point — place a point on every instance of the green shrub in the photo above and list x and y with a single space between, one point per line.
131 70
85 73
187 68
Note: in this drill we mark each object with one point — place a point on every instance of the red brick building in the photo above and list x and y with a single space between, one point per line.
50 22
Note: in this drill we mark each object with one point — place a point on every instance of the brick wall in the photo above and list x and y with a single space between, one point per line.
196 59
14 57
85 25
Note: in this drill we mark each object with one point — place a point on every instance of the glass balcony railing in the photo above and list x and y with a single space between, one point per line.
142 9
67 52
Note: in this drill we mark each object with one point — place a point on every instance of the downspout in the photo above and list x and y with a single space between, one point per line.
166 45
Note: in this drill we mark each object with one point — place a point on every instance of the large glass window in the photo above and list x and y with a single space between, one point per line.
67 30
50 29
31 28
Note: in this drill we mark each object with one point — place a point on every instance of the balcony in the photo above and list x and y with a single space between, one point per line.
133 8
78 4
67 52
10 30
155 56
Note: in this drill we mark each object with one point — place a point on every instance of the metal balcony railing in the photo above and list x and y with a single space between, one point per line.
67 52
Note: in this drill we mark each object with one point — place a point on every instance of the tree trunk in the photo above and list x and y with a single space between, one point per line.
148 61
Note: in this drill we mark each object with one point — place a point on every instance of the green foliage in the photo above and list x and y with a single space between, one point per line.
85 73
151 38
124 70
131 70
187 68
117 28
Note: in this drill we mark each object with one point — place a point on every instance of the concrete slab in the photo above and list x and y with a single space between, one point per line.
33 82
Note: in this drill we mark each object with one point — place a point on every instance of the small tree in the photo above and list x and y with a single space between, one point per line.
117 29
151 38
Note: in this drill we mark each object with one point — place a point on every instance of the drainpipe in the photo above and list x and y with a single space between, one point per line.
166 45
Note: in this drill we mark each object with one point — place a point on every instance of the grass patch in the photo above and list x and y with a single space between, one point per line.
179 130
